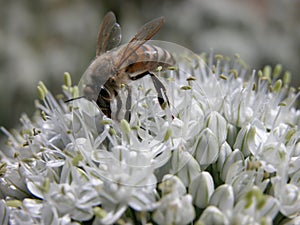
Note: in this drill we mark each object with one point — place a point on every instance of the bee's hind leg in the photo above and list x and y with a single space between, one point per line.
159 87
161 90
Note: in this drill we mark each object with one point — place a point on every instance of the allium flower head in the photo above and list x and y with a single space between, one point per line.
224 151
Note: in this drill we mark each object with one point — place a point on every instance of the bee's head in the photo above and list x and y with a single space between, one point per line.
97 74
100 70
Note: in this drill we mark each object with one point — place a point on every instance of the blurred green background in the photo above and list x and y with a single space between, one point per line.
40 40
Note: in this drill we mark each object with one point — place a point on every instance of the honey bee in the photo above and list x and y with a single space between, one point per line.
114 68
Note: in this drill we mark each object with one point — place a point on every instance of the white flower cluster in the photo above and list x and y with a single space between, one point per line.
226 151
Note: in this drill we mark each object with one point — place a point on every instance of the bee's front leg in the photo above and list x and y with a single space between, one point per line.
103 101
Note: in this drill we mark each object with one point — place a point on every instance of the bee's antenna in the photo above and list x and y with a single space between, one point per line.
72 99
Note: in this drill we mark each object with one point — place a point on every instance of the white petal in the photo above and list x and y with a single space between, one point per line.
201 188
4 213
206 148
218 125
212 215
223 198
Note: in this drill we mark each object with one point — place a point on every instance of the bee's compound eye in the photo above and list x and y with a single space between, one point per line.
89 92
104 93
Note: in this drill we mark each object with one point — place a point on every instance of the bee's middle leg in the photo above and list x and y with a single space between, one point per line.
119 105
128 104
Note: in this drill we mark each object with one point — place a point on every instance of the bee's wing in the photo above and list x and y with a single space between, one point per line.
109 35
145 33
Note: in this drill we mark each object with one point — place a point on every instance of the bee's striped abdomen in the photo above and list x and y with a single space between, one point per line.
148 58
